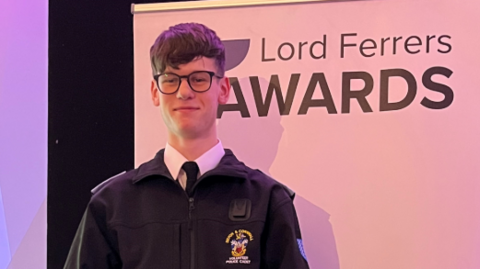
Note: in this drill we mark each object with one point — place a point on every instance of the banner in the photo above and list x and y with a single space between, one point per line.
368 110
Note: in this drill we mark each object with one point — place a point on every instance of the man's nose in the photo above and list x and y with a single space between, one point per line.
184 90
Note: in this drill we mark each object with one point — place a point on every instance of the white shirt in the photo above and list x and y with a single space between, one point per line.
174 161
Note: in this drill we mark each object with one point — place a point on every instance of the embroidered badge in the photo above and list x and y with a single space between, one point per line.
238 241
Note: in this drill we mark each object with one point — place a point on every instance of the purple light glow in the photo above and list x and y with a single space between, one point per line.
23 129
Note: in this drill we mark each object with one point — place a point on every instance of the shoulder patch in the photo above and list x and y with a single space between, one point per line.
302 250
99 186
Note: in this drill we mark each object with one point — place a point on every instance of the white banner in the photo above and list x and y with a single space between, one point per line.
367 109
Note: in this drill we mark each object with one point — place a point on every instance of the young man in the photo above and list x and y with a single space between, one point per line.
194 205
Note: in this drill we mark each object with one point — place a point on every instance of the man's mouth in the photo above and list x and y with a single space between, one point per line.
185 108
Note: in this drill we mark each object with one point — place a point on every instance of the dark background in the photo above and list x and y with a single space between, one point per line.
90 111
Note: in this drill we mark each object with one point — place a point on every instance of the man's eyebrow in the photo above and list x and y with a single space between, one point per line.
170 69
191 71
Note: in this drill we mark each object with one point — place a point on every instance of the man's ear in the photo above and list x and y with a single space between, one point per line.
155 93
224 91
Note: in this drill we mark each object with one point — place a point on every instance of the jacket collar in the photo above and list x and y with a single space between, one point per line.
229 166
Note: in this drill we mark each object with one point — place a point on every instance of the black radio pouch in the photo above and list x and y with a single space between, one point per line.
240 209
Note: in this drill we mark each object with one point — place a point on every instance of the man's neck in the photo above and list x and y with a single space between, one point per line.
191 149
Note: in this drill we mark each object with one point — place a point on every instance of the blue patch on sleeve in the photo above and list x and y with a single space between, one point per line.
302 250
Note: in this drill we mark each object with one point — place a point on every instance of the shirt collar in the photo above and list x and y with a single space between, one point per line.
229 166
206 162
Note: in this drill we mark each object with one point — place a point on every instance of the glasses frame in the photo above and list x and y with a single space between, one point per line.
187 77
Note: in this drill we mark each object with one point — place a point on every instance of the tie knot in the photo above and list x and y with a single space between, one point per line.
191 169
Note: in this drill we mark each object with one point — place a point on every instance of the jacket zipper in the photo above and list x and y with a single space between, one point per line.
191 207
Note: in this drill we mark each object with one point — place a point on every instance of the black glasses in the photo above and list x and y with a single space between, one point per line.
199 81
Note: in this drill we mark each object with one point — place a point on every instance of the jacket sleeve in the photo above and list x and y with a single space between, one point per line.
283 248
90 247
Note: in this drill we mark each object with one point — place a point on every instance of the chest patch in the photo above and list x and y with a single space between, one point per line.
238 241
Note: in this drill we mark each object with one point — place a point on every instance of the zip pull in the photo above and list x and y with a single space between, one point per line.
191 207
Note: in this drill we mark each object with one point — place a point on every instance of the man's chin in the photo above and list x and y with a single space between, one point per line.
191 129
188 132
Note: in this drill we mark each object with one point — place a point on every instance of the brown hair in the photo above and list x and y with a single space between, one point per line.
184 42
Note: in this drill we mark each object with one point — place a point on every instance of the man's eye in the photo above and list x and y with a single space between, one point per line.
169 80
198 79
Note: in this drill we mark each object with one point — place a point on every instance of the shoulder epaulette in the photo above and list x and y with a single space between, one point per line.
101 185
289 191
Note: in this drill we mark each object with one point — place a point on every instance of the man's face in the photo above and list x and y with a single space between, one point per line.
188 114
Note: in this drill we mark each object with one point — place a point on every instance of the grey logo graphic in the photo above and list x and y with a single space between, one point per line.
235 52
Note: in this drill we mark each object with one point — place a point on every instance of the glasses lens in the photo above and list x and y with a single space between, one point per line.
168 83
200 81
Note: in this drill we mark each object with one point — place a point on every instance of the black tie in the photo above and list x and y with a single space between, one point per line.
191 169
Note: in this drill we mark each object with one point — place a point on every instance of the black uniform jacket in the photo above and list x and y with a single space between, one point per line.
236 218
